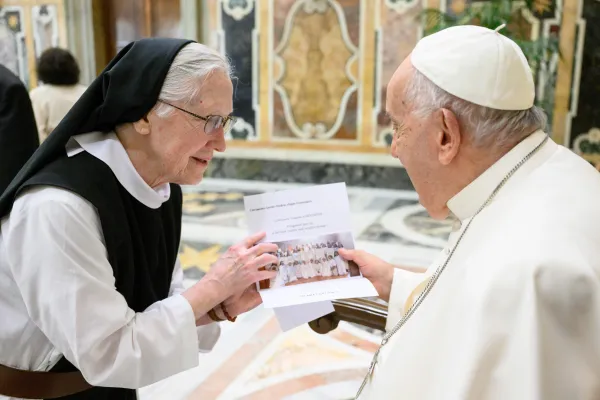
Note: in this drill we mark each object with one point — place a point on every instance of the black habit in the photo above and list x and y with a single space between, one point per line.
18 131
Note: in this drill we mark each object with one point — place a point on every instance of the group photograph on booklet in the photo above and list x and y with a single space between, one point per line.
310 226
311 259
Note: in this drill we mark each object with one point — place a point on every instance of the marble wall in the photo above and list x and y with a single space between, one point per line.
310 172
312 77
310 87
585 124
237 42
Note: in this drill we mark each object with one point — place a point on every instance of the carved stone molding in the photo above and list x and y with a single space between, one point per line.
587 145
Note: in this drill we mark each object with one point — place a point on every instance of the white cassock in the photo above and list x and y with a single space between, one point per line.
92 327
516 313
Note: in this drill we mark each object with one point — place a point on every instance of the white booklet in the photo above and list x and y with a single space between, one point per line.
309 225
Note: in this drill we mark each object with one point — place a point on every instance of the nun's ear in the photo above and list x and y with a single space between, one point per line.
142 126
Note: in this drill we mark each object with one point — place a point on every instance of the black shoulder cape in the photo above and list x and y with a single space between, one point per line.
18 131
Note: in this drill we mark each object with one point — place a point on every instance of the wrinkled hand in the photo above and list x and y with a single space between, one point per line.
378 271
241 303
240 267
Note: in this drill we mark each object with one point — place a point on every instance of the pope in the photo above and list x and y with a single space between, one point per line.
510 309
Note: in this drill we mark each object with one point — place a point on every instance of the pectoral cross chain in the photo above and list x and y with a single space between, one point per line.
375 357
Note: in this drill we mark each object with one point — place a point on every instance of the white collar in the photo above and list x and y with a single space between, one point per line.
107 148
466 202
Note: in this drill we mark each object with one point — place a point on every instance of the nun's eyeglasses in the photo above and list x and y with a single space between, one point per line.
212 122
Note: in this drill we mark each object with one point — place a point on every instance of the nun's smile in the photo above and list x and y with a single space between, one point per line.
178 138
202 162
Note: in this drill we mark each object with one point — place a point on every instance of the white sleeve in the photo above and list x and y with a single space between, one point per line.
56 253
402 286
207 334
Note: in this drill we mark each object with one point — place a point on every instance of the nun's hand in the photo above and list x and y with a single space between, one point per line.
248 300
242 265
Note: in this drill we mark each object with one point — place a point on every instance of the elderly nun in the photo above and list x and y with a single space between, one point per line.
91 297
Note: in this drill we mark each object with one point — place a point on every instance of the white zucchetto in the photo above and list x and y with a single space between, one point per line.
477 64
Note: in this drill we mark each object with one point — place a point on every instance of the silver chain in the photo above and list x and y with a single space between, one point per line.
440 269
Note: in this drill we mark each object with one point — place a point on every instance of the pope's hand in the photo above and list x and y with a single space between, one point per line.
379 272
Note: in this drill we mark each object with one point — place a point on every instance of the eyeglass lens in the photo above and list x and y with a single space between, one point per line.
215 122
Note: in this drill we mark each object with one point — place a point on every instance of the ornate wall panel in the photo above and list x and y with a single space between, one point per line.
313 73
27 28
238 41
306 72
315 70
232 30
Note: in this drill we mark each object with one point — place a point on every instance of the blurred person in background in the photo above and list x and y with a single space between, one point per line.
18 134
58 72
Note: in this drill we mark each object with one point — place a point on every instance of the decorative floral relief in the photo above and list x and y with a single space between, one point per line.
238 9
315 6
401 6
588 143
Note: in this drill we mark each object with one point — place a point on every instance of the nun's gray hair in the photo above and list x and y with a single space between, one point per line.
192 65
489 128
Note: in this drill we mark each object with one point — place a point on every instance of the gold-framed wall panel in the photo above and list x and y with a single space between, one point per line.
264 81
368 64
369 77
296 19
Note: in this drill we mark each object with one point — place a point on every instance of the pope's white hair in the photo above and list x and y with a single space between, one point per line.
191 66
488 127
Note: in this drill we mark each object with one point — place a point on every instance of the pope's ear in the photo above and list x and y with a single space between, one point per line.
142 126
450 137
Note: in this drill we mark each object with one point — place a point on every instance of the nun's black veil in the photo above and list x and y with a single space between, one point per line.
124 92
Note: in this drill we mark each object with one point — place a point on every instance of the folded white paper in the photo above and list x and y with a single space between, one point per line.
291 317
309 225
